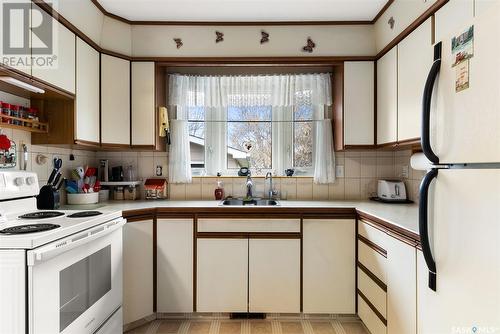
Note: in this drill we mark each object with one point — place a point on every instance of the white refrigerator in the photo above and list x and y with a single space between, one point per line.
458 269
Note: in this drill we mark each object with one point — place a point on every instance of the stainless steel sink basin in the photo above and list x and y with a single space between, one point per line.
253 202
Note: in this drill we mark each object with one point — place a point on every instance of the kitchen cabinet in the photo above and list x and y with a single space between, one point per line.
387 98
87 94
414 59
174 265
274 275
359 103
329 266
63 73
222 275
143 104
401 287
137 270
115 101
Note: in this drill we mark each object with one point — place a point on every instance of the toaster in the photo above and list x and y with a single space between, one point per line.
391 190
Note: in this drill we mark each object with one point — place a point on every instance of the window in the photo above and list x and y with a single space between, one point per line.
196 125
303 137
249 130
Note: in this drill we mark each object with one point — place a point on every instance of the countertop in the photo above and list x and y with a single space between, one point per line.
401 216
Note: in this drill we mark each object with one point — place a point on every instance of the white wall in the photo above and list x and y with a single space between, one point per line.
199 41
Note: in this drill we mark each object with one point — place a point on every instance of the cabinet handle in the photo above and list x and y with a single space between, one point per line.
423 225
426 105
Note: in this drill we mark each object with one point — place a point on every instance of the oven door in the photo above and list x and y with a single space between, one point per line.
75 283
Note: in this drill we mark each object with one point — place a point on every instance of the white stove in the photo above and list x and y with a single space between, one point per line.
61 269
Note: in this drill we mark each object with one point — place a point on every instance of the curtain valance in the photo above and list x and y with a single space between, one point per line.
250 91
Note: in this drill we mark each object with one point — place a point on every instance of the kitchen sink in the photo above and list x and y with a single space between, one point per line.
252 202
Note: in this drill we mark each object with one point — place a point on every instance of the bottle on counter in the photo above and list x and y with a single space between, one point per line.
219 191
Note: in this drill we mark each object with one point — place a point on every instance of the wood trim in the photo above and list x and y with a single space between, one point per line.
372 276
337 79
110 146
248 235
356 252
90 144
372 307
395 231
195 261
382 11
301 298
360 147
155 264
414 25
375 102
372 245
138 218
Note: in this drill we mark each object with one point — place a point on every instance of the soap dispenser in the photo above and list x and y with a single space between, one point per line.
219 191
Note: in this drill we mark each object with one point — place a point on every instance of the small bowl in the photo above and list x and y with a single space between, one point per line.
85 198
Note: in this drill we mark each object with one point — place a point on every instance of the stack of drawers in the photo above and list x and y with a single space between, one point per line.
372 280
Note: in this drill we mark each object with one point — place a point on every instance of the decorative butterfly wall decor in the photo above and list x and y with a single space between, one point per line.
265 37
220 36
310 46
178 41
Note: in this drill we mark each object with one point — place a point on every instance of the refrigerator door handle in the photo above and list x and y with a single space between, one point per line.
423 225
426 105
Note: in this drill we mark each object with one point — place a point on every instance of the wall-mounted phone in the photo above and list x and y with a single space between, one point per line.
164 125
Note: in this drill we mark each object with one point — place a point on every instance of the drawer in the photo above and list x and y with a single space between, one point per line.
375 294
249 225
369 318
373 234
373 260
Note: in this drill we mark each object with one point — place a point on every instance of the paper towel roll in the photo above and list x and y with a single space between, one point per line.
419 161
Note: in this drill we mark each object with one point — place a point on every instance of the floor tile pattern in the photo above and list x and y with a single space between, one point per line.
271 326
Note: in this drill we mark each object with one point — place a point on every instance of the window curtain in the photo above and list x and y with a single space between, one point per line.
179 164
282 92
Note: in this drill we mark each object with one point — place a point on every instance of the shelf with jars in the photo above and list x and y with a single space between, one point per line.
21 118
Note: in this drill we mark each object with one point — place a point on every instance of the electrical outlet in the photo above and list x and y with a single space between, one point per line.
405 171
339 171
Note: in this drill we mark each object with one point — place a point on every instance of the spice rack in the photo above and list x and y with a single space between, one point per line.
28 124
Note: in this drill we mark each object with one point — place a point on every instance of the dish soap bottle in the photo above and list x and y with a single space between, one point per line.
219 191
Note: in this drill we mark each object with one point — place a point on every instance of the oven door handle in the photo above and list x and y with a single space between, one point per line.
58 247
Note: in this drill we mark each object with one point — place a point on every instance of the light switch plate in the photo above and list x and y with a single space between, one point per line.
339 171
405 171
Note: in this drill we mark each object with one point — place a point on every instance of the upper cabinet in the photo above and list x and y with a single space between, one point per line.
359 99
415 57
115 101
63 73
143 104
387 98
87 94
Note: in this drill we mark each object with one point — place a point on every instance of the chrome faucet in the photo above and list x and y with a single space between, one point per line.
271 193
249 187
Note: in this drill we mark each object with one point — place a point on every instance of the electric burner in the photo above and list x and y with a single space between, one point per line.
83 214
42 215
31 228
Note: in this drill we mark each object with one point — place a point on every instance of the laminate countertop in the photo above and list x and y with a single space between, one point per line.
401 217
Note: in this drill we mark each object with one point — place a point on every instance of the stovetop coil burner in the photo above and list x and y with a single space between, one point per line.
83 214
42 215
29 228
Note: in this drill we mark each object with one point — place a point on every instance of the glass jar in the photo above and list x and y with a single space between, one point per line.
14 112
22 113
6 111
118 193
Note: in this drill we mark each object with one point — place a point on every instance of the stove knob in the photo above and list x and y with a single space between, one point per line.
30 180
18 181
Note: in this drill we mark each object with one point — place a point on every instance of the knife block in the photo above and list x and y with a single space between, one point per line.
48 198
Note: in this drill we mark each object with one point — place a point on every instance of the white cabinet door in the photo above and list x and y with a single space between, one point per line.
329 266
452 17
115 100
387 98
174 265
143 103
415 57
62 74
359 103
401 287
274 275
222 275
87 93
137 270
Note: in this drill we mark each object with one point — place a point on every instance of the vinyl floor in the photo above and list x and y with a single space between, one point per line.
226 326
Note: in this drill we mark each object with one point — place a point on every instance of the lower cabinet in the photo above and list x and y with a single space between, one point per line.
274 275
174 256
137 270
222 275
329 266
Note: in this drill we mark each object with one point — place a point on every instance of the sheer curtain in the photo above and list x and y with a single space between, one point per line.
282 92
179 164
